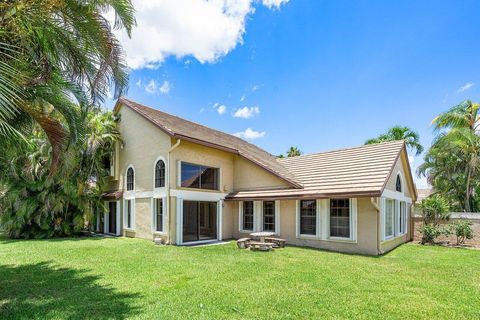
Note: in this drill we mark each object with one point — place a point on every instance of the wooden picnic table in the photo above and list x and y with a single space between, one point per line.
262 235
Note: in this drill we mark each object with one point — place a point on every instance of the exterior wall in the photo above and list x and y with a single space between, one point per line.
198 154
248 175
407 194
143 143
365 243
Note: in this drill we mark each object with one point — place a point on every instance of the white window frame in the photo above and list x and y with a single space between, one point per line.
132 227
153 205
384 226
160 189
317 234
240 218
353 221
402 227
130 193
260 224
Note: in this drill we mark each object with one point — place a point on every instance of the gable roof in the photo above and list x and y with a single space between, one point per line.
187 130
359 171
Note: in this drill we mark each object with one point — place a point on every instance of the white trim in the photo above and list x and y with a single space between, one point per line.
179 235
153 205
219 219
160 190
396 196
402 182
353 208
179 173
325 218
318 224
198 195
277 217
385 236
257 216
132 227
130 193
240 218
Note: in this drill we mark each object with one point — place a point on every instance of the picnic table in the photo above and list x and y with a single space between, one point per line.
262 235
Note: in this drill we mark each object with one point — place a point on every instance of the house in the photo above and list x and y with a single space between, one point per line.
185 183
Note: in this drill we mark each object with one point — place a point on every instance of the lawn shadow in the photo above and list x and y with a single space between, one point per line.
42 291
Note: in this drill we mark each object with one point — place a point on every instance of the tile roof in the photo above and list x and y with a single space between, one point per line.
359 171
191 131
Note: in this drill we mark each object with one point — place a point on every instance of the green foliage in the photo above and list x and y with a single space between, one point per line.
411 138
430 233
35 203
435 209
463 230
452 164
51 51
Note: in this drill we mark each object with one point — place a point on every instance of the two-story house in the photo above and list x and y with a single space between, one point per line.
185 183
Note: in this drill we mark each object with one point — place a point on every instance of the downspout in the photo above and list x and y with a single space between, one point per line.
375 205
168 190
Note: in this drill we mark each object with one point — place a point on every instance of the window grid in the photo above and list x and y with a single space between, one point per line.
308 217
130 179
389 217
247 216
269 216
160 174
159 215
340 218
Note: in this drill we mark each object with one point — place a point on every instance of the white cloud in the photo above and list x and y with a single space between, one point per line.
250 134
166 86
221 108
411 159
465 87
151 87
274 4
243 98
138 83
206 30
246 112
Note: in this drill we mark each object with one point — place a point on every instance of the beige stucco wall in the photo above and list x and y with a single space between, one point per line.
143 144
248 175
367 219
199 154
402 168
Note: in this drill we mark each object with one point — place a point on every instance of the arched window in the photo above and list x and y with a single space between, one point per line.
398 184
130 179
160 174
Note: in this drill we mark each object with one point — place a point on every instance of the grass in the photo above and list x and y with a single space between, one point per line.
115 278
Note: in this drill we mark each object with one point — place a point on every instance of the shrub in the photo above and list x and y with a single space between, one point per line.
463 230
435 209
430 233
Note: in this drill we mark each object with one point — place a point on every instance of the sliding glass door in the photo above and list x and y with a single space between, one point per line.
199 221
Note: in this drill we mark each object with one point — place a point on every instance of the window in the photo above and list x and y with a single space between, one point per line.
159 214
340 218
308 217
389 217
247 219
199 177
160 174
269 216
130 179
128 214
403 217
398 184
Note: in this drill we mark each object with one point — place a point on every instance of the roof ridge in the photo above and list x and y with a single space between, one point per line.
196 123
344 149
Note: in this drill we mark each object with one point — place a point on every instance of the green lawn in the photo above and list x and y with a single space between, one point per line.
130 278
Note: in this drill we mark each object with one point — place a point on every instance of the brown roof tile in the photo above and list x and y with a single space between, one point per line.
188 130
359 171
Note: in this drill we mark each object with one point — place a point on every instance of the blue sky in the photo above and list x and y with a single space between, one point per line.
318 75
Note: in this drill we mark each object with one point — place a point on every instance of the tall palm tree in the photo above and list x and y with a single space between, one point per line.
293 152
464 115
53 55
411 138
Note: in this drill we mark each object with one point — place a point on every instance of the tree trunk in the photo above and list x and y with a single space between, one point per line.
467 195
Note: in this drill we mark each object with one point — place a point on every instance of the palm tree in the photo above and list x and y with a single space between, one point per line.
462 123
411 138
293 152
53 55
